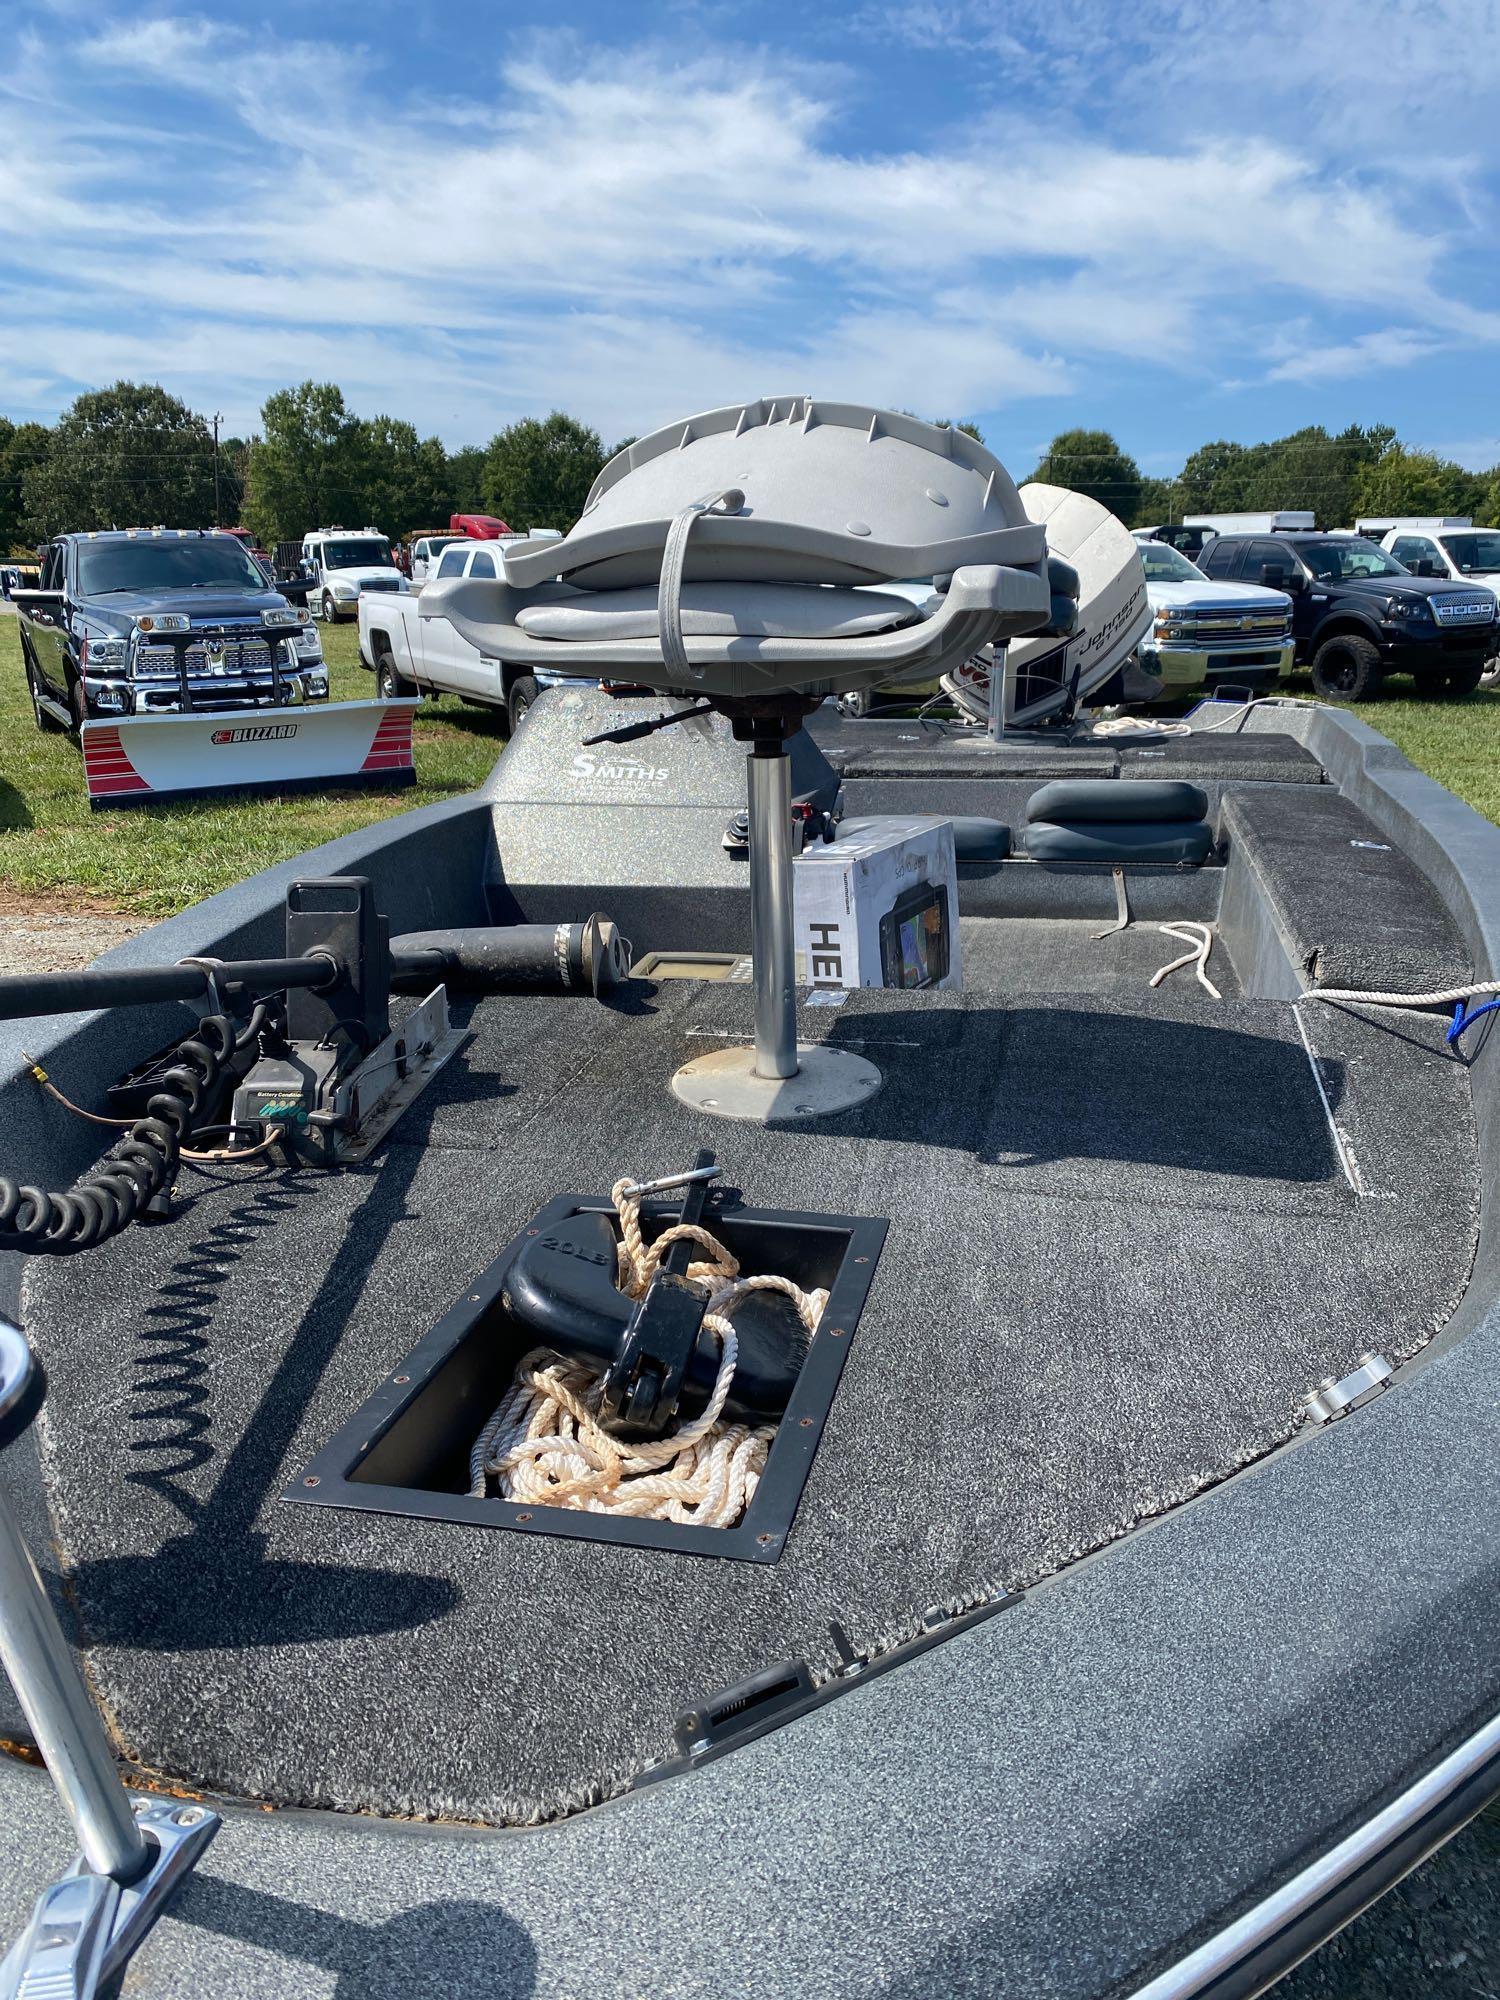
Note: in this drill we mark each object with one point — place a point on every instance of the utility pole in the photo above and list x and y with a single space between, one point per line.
218 510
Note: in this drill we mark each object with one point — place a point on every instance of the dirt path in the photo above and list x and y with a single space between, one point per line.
59 931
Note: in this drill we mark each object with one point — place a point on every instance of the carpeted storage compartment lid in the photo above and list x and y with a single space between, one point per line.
1356 911
407 1450
1253 756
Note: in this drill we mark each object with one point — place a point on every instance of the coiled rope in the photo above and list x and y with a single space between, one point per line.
136 1168
546 1446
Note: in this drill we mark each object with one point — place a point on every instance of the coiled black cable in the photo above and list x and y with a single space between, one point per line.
136 1168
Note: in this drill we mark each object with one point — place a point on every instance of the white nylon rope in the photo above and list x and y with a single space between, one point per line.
546 1446
1201 940
1445 998
1138 725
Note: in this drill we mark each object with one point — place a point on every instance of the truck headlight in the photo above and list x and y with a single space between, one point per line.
100 655
346 590
279 618
1413 608
307 645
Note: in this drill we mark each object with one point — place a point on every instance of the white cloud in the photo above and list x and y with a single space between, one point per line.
632 237
1390 347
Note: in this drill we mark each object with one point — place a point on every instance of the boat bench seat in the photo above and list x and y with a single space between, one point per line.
1354 909
1101 821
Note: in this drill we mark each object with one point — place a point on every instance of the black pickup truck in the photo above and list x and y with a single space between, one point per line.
155 620
1358 615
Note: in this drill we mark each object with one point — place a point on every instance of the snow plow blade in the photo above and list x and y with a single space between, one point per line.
138 758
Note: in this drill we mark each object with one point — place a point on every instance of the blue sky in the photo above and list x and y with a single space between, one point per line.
1179 222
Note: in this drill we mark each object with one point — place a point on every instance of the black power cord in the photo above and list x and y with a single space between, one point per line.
136 1169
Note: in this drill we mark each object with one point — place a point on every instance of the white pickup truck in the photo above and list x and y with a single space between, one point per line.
414 655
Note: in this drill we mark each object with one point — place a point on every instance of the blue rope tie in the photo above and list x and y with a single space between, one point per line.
1461 1020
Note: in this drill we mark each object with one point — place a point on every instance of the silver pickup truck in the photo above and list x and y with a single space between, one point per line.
1206 634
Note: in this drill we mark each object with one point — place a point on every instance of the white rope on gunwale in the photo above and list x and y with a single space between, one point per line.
1443 999
546 1445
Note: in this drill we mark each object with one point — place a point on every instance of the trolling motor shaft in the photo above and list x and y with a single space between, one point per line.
305 1043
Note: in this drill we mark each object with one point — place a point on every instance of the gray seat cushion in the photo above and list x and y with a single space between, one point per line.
1077 801
720 610
977 839
1125 843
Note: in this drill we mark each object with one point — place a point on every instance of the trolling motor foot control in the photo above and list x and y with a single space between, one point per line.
658 1360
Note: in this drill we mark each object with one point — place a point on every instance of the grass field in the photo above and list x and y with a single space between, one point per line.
158 861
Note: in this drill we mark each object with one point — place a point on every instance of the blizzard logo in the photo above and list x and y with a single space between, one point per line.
622 771
825 962
259 732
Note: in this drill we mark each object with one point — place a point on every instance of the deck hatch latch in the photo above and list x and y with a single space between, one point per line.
744 1709
1337 1398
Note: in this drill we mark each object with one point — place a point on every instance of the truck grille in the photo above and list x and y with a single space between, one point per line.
209 659
1231 628
380 583
1463 610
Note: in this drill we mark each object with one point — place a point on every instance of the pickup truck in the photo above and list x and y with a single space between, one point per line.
414 655
1204 634
154 620
425 550
1462 554
1358 615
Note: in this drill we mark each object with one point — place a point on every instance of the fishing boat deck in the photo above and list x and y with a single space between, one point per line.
1129 1228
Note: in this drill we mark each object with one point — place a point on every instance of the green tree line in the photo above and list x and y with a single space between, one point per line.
1340 477
133 455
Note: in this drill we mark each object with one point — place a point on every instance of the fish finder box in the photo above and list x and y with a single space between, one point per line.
878 906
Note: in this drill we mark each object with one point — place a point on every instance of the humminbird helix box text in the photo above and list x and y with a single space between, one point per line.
879 905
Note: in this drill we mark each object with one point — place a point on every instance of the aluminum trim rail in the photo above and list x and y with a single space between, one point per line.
1203 1971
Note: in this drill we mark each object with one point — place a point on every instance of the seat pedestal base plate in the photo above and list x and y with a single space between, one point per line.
827 1081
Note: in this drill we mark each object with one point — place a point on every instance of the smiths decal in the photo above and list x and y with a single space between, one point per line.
256 732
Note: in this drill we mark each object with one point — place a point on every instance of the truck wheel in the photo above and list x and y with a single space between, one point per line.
1346 668
523 692
390 683
46 721
857 702
1490 677
330 609
78 701
1464 680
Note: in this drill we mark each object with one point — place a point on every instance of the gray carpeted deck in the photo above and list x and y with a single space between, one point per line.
1121 1247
